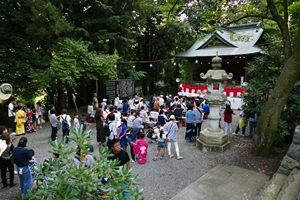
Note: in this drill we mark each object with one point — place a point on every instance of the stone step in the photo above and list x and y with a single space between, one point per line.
291 188
272 187
224 183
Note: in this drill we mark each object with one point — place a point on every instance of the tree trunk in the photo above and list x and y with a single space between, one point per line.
60 97
152 86
70 99
270 115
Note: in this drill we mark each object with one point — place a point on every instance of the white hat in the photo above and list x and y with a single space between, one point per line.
172 117
104 99
170 95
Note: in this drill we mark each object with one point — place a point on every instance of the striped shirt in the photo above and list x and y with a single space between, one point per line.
170 129
198 115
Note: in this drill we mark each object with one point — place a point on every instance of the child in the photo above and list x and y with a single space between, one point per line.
122 135
161 145
141 148
39 113
243 122
76 121
83 121
88 160
32 164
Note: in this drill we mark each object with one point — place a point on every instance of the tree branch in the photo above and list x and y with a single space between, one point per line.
283 26
177 1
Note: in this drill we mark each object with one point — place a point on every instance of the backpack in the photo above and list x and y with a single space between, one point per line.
150 133
106 130
65 124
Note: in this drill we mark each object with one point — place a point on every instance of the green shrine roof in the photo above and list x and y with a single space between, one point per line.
230 41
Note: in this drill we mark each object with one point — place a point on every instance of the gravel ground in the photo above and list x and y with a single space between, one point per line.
163 179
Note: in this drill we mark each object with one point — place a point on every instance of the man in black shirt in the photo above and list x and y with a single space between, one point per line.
119 154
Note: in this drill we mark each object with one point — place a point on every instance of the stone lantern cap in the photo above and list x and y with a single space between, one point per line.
216 73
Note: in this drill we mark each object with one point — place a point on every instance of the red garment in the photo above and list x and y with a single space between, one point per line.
168 109
228 117
141 148
106 120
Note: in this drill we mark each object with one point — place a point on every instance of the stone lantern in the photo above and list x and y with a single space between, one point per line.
213 138
6 91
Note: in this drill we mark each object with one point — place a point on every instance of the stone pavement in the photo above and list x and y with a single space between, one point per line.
226 183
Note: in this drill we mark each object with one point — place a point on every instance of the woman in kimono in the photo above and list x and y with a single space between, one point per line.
21 120
141 148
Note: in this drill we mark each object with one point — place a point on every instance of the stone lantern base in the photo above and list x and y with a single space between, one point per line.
213 140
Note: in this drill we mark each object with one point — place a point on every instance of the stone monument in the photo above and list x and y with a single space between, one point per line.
213 138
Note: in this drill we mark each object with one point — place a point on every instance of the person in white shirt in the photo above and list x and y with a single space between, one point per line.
39 114
154 114
117 100
11 115
130 119
66 117
144 115
130 102
161 100
90 109
112 129
76 123
105 112
103 104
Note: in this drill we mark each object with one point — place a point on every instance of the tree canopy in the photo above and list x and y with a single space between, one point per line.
58 47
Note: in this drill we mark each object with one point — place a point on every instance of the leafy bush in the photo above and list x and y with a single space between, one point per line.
63 180
282 131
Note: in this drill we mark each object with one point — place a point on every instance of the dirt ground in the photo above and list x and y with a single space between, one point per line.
266 165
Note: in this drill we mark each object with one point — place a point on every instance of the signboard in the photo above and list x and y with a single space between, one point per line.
123 87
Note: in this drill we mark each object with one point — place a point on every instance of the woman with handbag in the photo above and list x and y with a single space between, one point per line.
170 130
6 163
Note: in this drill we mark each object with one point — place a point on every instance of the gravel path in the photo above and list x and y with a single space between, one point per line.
161 179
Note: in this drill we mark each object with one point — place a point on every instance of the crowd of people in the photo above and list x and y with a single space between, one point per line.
121 125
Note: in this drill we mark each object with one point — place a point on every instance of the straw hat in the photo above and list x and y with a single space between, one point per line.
172 117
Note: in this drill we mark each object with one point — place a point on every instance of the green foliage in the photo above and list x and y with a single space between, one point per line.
263 72
63 180
293 102
72 62
284 129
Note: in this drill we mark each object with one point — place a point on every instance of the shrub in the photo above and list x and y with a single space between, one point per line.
63 180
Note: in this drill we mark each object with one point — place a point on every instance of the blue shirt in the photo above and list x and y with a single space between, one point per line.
198 115
206 108
126 107
123 129
190 116
22 156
